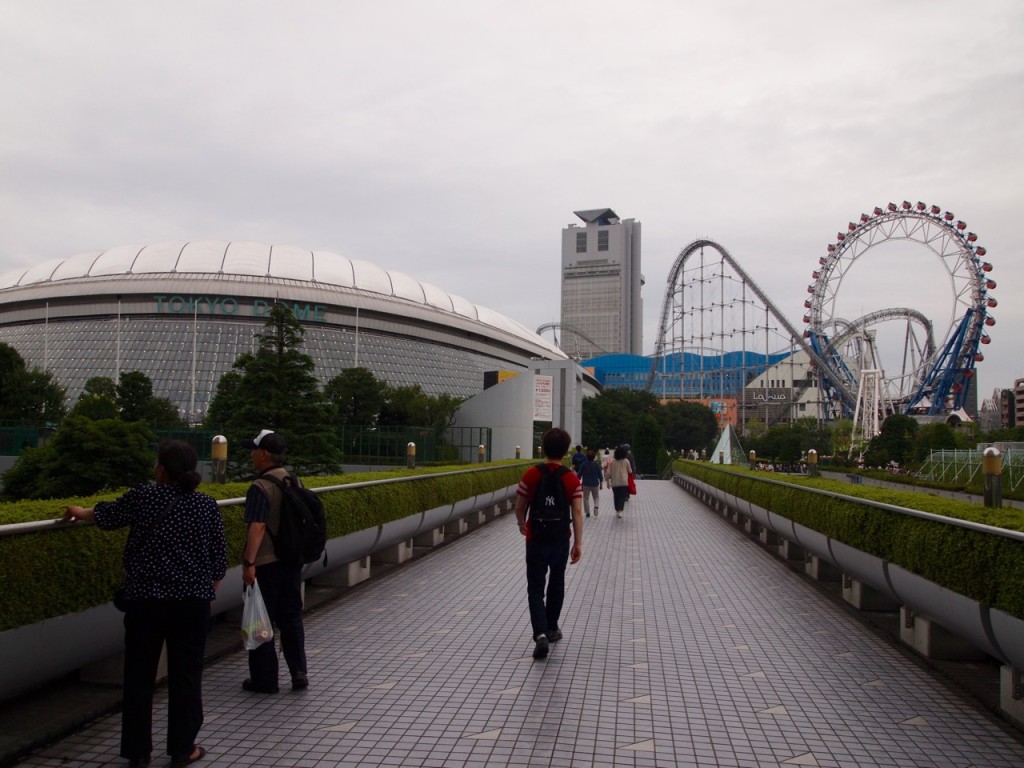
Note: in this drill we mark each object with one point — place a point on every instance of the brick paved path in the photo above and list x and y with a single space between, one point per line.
685 645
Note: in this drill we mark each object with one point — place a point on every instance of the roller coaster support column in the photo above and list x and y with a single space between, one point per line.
992 469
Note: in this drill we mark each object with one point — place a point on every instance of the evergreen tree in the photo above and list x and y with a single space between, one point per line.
275 388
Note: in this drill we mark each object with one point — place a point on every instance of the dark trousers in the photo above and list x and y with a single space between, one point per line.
281 587
620 493
148 624
543 557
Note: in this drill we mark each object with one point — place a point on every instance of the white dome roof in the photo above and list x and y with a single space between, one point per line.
253 259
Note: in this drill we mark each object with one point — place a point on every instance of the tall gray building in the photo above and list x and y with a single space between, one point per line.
602 312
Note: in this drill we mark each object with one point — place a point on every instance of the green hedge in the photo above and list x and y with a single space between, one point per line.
52 573
982 566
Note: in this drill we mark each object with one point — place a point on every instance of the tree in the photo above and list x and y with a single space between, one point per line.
404 406
135 402
894 442
647 444
84 457
609 419
356 396
27 395
134 390
842 433
98 399
687 426
221 406
933 437
275 389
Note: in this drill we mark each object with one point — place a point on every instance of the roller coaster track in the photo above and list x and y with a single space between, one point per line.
843 388
571 329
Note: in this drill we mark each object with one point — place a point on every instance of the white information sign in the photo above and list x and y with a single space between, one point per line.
543 388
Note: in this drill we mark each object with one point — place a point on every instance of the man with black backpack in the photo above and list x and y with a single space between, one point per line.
549 509
278 573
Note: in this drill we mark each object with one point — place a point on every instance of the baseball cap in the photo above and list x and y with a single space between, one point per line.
268 440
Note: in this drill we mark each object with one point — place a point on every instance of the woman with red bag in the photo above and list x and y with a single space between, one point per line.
619 476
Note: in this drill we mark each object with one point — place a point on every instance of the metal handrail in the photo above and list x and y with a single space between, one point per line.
36 526
969 524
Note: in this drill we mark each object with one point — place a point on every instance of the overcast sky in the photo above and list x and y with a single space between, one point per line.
452 140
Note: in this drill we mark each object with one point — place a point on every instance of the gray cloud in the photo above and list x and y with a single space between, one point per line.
453 141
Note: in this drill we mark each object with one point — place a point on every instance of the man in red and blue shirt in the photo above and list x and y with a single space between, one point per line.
546 559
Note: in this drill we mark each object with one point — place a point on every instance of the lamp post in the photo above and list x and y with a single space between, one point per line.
219 459
992 469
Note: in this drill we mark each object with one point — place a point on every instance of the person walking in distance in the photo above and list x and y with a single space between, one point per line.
618 478
591 477
280 582
606 467
549 510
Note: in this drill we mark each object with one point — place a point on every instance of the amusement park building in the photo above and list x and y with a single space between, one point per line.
602 311
182 313
738 386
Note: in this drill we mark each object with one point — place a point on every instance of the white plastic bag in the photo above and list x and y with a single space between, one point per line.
256 626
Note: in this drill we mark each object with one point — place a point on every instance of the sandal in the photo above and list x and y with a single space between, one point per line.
198 753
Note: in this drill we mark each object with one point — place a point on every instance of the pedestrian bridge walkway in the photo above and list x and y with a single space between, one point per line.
685 644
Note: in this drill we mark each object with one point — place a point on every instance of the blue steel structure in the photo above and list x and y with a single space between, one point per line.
687 376
942 382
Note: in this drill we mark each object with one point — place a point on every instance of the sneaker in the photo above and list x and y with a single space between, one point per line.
618 515
554 635
595 511
541 649
588 514
248 685
299 682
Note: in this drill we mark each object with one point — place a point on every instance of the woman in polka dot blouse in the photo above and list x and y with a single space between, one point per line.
174 560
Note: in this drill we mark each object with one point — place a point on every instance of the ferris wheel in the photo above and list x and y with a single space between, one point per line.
927 357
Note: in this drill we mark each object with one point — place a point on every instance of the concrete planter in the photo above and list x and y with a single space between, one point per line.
814 542
960 615
865 568
1008 632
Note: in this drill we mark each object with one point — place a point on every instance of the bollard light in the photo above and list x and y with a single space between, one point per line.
753 458
992 469
812 463
219 458
410 455
517 451
480 453
721 457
